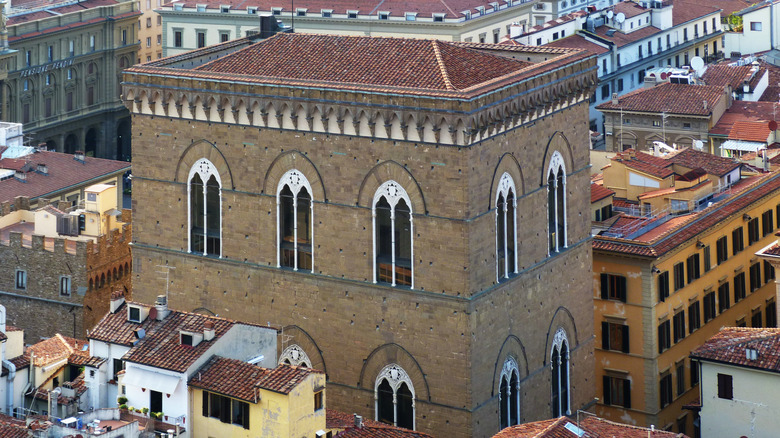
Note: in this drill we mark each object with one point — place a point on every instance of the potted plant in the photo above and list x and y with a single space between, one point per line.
145 411
123 407
122 400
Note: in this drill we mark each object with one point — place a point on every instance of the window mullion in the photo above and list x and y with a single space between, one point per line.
278 230
555 210
506 249
311 229
295 232
395 396
563 213
411 250
189 217
205 217
514 245
219 218
392 247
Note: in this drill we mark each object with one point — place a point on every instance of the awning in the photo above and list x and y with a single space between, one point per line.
150 379
746 146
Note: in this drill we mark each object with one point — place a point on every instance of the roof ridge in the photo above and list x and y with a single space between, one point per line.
443 68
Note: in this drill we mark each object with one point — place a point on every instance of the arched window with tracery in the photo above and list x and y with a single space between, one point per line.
393 231
509 393
556 203
204 188
559 359
294 355
506 228
295 221
394 397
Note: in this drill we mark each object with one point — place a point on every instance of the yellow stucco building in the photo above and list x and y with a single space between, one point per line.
665 280
238 399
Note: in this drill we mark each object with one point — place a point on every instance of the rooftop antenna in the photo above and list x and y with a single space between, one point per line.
166 270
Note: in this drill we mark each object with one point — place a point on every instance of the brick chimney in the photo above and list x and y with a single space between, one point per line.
117 299
208 330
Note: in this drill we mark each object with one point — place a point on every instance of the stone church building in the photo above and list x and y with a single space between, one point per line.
414 215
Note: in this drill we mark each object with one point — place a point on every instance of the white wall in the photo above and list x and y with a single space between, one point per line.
754 411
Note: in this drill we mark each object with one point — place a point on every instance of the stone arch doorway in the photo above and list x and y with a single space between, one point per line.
71 143
90 142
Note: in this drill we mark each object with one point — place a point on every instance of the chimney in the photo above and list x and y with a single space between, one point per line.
358 421
42 147
20 176
79 156
42 169
161 304
615 100
117 299
208 330
705 105
515 30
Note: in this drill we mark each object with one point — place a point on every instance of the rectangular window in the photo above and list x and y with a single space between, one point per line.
620 85
679 326
186 339
159 39
224 36
411 16
50 53
753 235
90 95
148 41
71 48
613 287
384 15
666 390
201 39
149 22
664 336
21 279
709 307
767 223
225 409
159 20
725 386
663 286
617 391
124 37
693 268
605 91
614 336
25 112
65 286
724 297
679 276
707 258
755 276
28 62
680 377
92 43
47 106
694 317
353 14
755 26
756 320
177 38
69 101
737 244
739 287
119 365
771 314
240 413
769 272
604 66
438 18
134 314
721 250
318 401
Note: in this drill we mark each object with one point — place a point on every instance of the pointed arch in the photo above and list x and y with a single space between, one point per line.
294 160
507 163
392 353
204 149
296 335
386 171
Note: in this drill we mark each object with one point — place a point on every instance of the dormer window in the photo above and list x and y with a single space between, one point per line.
438 18
251 10
178 6
134 314
300 12
327 13
276 11
384 15
466 14
494 5
224 9
352 14
201 8
186 339
480 10
411 16
190 339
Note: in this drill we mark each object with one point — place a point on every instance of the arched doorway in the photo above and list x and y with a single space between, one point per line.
123 139
90 143
51 145
71 143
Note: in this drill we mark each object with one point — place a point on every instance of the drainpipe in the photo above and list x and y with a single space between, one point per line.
10 386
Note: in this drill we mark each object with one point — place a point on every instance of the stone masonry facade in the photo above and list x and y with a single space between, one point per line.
454 330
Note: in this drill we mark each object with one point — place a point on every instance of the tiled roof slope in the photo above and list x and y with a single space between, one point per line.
114 327
56 348
742 110
370 428
729 345
54 10
623 39
685 11
669 98
750 131
712 164
63 171
628 8
578 42
728 6
12 428
599 192
238 379
724 74
410 63
747 193
594 427
644 162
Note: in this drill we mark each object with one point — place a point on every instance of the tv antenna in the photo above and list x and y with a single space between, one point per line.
165 270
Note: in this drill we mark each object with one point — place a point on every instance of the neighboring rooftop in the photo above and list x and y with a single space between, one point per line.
579 42
750 131
56 348
742 110
599 192
62 171
732 75
685 11
730 344
367 428
587 426
712 164
693 100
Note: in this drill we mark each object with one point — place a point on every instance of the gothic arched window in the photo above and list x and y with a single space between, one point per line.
393 230
506 228
559 359
556 203
205 213
509 394
294 355
295 219
394 397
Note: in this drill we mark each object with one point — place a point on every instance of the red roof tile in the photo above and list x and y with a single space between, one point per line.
578 42
628 8
729 345
429 64
712 164
56 348
725 74
669 98
742 110
599 192
750 131
63 172
644 162
728 6
685 11
592 426
623 39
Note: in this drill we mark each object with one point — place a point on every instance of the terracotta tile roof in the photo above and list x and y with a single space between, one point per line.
21 361
728 6
644 162
451 8
56 348
342 420
685 11
745 193
773 250
624 203
371 429
238 379
594 427
552 23
429 64
742 110
623 39
750 131
161 346
578 42
772 92
669 98
369 64
724 74
599 192
14 430
712 164
629 8
729 345
63 172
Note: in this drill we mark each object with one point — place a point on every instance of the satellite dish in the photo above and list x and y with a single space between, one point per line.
620 17
698 145
773 125
697 63
610 14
